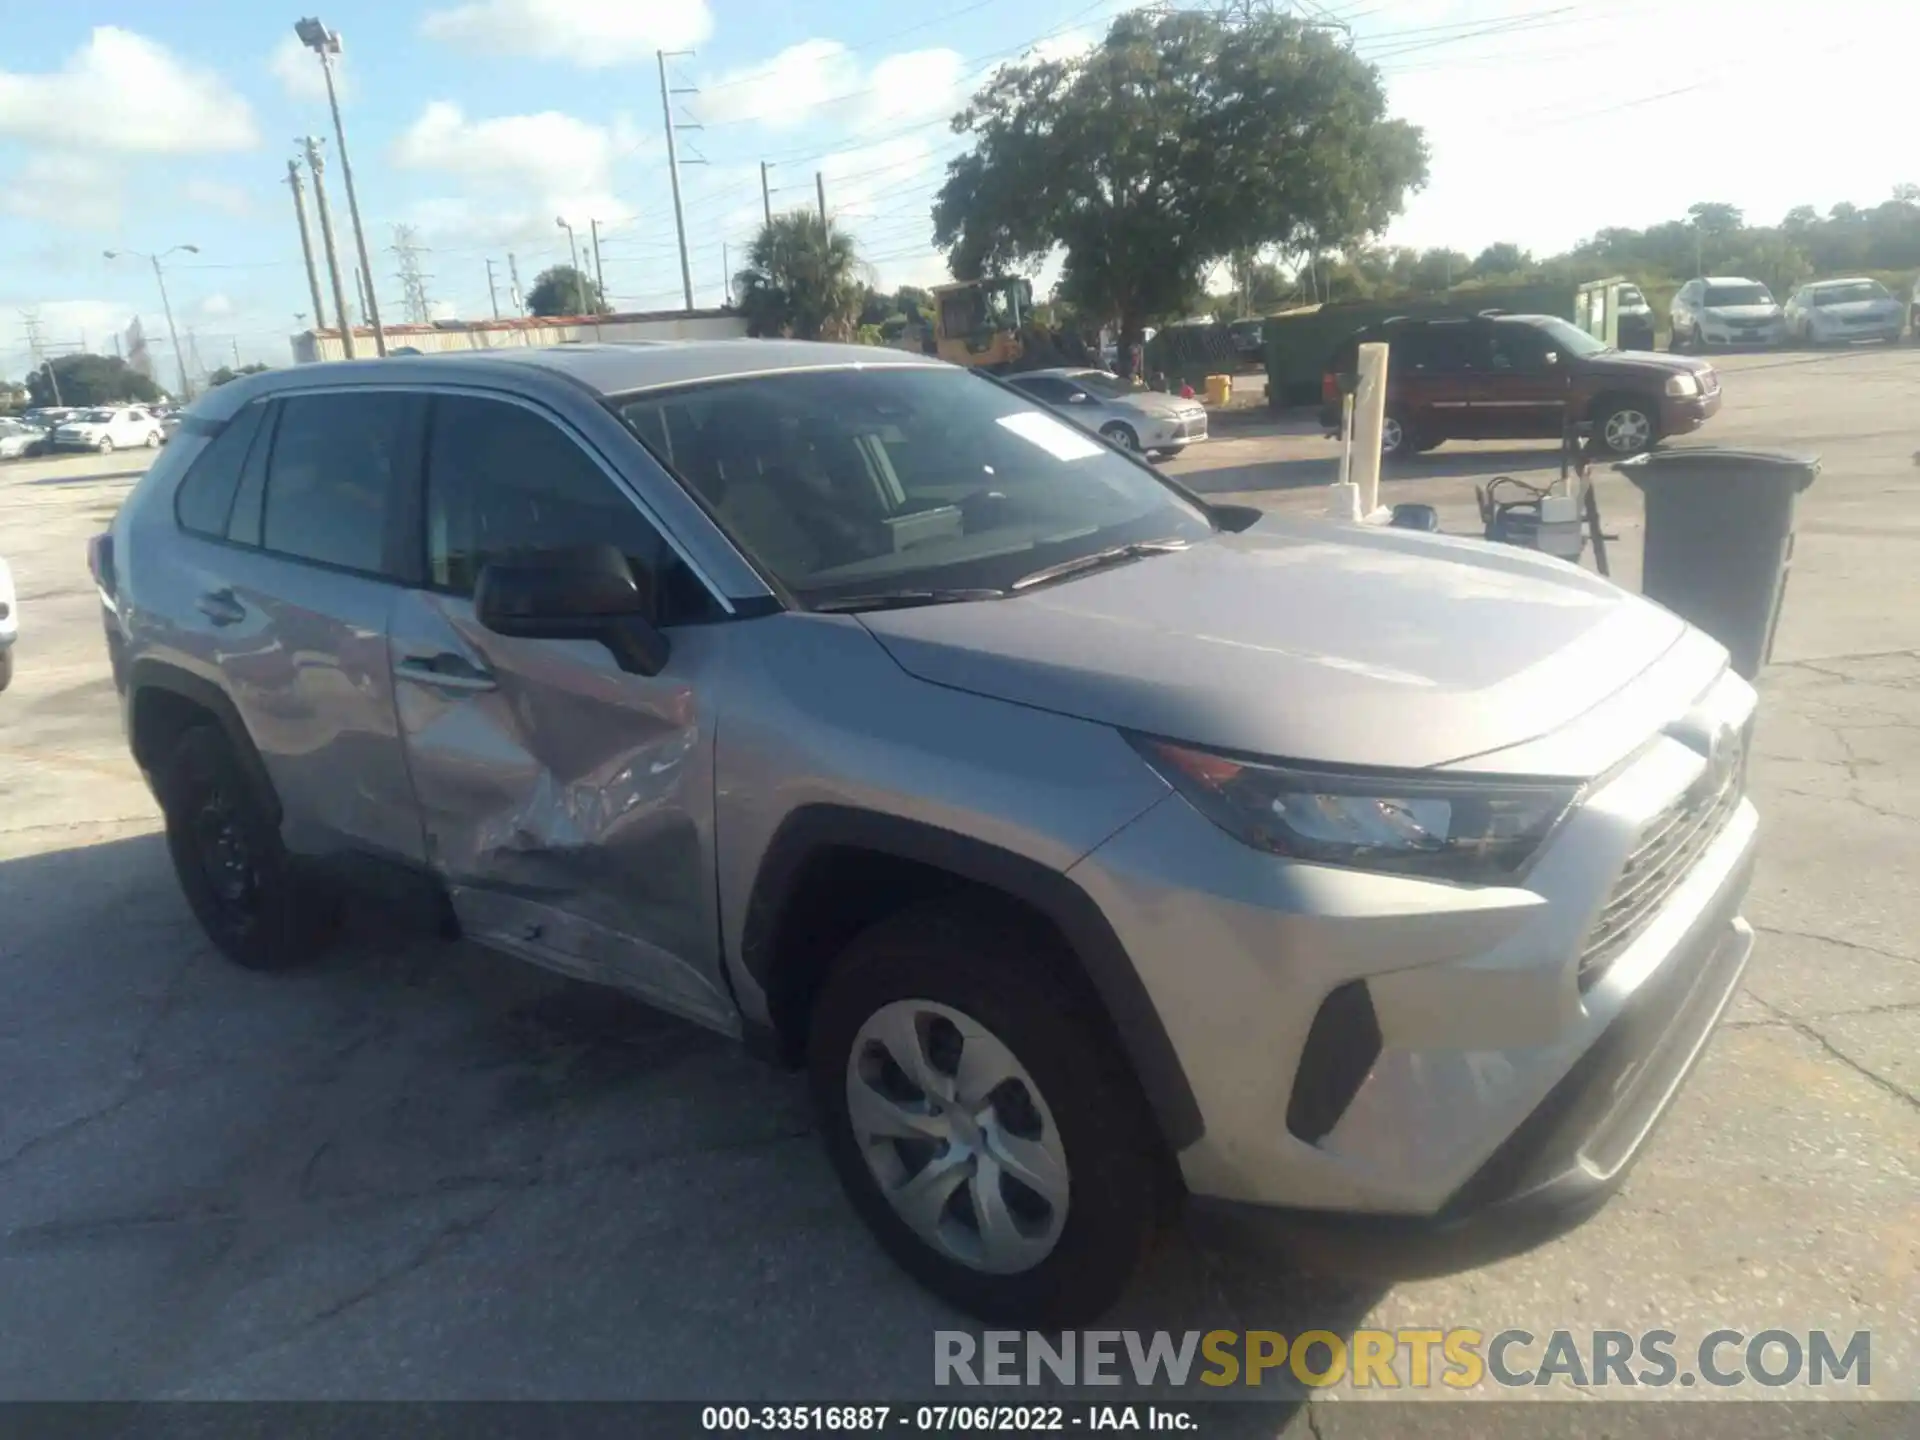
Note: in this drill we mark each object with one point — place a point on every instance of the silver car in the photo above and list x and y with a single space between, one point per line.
1132 418
1839 312
1097 852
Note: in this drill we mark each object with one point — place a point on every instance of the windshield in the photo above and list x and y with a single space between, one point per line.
850 482
1098 382
1851 293
1738 295
97 417
1569 338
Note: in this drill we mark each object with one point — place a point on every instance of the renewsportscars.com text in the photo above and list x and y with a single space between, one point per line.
1453 1359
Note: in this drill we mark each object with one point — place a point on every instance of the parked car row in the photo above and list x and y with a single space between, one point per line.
1515 377
103 428
1723 310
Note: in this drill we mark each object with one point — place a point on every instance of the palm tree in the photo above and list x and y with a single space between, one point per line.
802 279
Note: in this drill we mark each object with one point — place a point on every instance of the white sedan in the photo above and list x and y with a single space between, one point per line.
9 624
1835 312
122 427
1144 421
17 440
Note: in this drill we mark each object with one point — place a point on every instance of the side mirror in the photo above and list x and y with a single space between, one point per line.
586 592
1415 517
1552 357
1078 397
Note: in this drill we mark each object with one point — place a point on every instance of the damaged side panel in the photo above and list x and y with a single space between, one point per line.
569 805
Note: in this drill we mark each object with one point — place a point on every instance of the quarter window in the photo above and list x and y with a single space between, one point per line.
206 495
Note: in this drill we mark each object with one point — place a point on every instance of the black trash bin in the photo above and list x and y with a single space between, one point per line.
1720 539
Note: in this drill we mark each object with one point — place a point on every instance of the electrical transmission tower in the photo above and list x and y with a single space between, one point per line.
413 282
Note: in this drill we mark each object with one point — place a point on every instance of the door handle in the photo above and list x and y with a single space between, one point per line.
221 607
446 670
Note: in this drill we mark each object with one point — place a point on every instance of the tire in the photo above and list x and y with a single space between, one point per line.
153 439
106 445
1397 438
1426 443
1626 426
6 666
235 873
1121 435
948 983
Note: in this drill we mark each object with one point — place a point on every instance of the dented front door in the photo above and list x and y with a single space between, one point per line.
567 804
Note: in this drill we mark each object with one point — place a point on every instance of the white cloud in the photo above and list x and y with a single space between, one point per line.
788 89
216 195
123 92
216 306
519 171
593 34
298 71
1067 45
72 192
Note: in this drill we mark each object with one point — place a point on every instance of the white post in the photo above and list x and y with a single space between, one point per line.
1369 415
1343 498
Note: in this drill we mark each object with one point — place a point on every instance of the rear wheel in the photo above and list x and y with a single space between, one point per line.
1397 438
237 876
6 666
1626 426
980 1120
153 439
1121 435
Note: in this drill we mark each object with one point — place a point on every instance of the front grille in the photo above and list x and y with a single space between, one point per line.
1668 849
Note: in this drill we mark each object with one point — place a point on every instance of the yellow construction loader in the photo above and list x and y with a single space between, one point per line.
979 322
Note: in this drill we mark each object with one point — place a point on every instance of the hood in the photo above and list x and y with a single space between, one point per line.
1640 362
1154 402
1744 312
1859 309
1304 640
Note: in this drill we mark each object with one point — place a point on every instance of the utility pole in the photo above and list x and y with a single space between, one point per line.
493 295
317 168
516 294
306 242
673 172
820 189
326 44
360 289
726 274
186 385
193 349
413 284
599 273
766 194
236 353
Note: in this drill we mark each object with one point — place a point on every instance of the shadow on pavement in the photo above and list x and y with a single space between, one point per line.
92 478
421 1170
1322 470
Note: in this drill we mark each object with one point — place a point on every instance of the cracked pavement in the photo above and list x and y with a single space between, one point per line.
419 1170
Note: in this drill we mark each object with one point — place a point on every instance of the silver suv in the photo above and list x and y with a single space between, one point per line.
1101 854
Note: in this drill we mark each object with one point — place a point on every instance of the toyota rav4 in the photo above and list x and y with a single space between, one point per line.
1100 853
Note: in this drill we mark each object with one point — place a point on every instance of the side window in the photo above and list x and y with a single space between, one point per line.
501 478
1518 348
1438 349
1047 388
336 476
205 497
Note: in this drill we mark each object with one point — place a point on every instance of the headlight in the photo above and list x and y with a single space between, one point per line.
1682 385
1480 830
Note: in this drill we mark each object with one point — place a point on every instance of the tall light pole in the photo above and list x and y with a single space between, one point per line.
673 173
573 247
326 44
179 355
306 241
317 168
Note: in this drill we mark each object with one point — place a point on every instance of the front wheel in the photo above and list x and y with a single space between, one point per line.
153 439
1397 438
6 666
1626 427
980 1119
106 446
1123 436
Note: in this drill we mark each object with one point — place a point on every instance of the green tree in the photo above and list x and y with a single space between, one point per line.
1180 140
802 279
1502 258
90 380
227 372
1712 217
563 290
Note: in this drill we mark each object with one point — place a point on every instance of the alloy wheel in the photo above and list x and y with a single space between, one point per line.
1627 432
1392 436
957 1136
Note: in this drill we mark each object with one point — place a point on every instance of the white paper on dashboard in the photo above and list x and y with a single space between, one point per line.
1059 440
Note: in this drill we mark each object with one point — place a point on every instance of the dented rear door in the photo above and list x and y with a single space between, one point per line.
567 804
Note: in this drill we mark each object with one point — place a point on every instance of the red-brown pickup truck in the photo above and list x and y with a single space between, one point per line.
1500 377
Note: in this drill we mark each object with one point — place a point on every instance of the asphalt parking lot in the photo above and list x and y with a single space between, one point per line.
419 1171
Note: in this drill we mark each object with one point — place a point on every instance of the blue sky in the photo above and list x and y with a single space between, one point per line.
124 124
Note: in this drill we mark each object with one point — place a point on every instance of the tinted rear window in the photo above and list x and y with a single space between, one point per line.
339 465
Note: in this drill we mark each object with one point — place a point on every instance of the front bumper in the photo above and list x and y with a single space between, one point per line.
1498 1074
1733 335
1682 416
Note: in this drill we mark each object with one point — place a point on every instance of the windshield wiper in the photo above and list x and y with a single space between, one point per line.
901 599
1097 560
